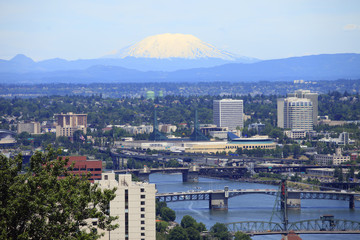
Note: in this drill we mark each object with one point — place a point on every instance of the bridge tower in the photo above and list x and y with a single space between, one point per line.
156 135
197 135
281 205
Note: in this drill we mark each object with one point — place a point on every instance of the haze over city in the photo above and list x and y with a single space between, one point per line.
257 29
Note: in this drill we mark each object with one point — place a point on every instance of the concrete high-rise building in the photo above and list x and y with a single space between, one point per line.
308 95
31 127
70 122
134 205
228 113
295 113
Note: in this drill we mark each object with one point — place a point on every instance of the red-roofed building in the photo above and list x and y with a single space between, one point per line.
83 166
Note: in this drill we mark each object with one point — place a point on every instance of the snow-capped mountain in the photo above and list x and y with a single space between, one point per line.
165 46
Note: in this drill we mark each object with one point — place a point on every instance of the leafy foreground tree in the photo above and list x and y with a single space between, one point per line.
167 214
220 231
38 205
178 233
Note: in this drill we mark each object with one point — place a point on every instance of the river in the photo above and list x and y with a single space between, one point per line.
251 207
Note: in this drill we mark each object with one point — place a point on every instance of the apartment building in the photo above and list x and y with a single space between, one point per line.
134 205
70 122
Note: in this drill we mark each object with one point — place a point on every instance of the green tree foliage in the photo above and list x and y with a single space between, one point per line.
161 226
192 227
178 233
167 214
188 221
241 236
220 231
159 206
38 205
192 233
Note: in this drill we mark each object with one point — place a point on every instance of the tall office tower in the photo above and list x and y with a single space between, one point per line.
134 205
295 113
228 113
309 95
69 123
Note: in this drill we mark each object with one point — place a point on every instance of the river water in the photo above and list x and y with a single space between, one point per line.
251 207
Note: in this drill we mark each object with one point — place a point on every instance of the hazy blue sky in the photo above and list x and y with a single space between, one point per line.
264 29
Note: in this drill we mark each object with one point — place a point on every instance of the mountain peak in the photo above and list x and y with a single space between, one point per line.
21 58
176 45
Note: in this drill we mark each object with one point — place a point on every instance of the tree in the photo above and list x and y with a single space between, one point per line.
220 231
39 205
167 214
161 226
178 233
159 206
188 221
241 236
201 227
192 233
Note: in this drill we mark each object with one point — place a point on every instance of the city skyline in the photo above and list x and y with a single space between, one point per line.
259 29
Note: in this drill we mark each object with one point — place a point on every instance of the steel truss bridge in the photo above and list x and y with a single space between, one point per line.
314 226
206 195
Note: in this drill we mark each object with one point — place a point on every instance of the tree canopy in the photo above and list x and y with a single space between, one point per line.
48 202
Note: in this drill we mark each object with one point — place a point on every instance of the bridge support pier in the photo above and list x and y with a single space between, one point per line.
219 201
144 177
192 175
144 174
293 200
352 202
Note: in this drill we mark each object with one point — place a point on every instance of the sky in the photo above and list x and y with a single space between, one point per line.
264 29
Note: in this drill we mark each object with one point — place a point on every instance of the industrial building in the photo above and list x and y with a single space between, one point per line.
335 159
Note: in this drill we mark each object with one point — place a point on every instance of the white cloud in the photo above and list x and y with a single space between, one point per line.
350 27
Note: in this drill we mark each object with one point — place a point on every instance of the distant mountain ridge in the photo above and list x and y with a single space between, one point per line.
163 52
22 69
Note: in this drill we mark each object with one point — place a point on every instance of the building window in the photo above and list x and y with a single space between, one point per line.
142 202
142 234
142 228
143 222
106 177
142 215
143 209
142 189
142 196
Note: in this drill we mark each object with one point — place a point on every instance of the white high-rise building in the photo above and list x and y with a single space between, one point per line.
228 113
134 205
295 113
309 95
